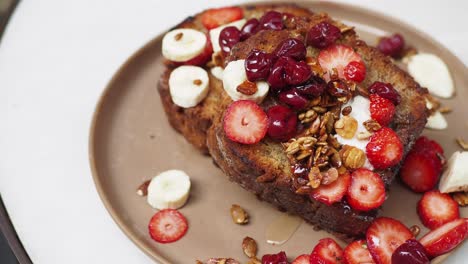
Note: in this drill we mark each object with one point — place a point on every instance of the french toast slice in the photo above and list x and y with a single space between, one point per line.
264 168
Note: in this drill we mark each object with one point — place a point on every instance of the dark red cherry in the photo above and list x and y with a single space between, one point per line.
410 252
229 37
279 258
293 98
314 87
291 47
386 91
276 79
257 65
282 122
250 28
297 72
391 46
271 20
323 35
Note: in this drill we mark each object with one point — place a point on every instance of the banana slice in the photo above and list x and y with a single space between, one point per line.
455 177
183 44
188 85
436 121
431 72
233 75
170 189
214 33
217 72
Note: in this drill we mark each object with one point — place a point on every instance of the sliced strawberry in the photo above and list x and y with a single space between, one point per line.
334 192
384 236
367 190
167 226
215 17
357 253
327 251
245 122
446 237
436 208
337 57
204 57
355 71
384 149
302 259
381 109
420 171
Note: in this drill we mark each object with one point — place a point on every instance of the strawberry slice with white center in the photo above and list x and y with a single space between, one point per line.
334 192
367 190
245 122
357 253
327 251
384 236
302 259
167 226
337 57
384 149
436 209
446 237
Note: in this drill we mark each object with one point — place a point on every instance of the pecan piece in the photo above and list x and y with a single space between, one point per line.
247 88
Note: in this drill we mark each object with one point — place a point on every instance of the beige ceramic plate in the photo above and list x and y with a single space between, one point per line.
131 141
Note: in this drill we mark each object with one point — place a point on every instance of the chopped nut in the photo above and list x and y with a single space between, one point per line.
346 127
315 177
338 88
238 214
247 88
249 246
415 230
332 141
178 36
364 135
308 116
463 144
314 65
254 260
445 109
336 159
304 154
314 128
316 101
329 176
371 125
352 157
461 198
197 82
222 261
293 148
319 109
143 188
346 110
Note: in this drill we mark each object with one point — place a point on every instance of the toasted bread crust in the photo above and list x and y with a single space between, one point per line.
263 168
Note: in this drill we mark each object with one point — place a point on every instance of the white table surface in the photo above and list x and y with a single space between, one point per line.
56 57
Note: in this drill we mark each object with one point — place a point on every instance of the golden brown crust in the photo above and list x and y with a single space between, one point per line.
263 168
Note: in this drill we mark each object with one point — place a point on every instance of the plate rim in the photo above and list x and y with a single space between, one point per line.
355 8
